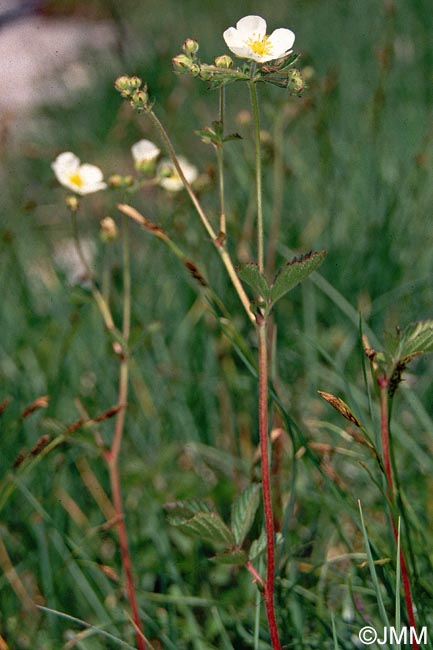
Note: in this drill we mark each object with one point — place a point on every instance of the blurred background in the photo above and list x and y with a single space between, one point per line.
348 167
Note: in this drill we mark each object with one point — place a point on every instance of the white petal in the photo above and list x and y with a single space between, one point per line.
189 170
144 150
282 42
90 174
65 164
173 183
89 189
251 26
235 43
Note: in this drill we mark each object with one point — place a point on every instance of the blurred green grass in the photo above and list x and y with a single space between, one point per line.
356 178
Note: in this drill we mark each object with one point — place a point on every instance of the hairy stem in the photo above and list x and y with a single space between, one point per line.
386 452
224 254
266 483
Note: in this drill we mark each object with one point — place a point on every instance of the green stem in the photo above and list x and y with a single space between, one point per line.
256 119
100 301
220 163
219 245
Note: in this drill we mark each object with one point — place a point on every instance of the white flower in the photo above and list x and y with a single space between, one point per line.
144 152
250 41
82 179
170 180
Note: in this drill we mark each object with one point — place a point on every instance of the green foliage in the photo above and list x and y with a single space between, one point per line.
244 510
349 168
295 272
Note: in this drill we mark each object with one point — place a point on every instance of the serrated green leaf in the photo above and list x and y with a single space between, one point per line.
294 272
233 555
250 274
207 525
257 547
416 339
188 507
244 510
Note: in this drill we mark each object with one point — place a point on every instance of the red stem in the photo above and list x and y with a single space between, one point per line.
269 586
112 459
256 576
384 427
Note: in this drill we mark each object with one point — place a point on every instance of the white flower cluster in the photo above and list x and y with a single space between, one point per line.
85 179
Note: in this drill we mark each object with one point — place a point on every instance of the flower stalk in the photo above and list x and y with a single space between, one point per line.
222 250
220 163
256 120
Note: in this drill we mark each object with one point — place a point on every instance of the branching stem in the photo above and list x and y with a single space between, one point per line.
224 254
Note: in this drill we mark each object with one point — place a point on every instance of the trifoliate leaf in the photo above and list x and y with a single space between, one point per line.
244 510
250 274
294 272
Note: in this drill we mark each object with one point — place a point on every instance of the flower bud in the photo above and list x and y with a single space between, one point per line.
140 100
295 82
205 73
195 69
135 83
122 85
118 182
181 63
190 47
109 231
224 61
72 202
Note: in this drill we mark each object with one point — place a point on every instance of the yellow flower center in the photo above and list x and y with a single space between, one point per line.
260 47
76 179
